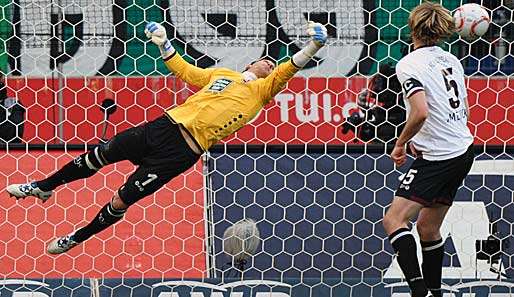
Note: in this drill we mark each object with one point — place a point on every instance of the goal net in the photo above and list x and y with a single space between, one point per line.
312 169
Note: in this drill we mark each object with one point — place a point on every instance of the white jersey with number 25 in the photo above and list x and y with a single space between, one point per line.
440 75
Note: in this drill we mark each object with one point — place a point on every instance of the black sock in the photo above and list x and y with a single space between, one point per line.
433 253
83 166
405 247
107 216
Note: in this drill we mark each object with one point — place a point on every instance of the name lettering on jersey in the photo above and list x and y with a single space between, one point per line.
410 86
219 85
439 60
457 116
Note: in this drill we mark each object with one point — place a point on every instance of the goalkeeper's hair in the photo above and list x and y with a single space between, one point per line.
430 23
260 59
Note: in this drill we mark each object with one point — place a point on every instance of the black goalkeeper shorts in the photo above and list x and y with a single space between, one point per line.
157 148
430 182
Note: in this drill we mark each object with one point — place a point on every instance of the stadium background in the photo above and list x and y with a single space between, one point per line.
317 194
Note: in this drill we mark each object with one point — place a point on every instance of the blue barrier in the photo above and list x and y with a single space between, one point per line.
289 287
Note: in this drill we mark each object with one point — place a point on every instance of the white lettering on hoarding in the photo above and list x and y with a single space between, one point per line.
223 288
231 32
310 115
24 283
219 294
271 294
454 295
282 100
307 109
29 294
327 108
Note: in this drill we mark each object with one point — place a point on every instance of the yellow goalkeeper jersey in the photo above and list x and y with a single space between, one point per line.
225 102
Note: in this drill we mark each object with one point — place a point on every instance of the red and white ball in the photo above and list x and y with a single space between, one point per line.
471 20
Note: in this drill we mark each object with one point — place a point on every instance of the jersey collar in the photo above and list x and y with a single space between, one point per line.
425 46
249 76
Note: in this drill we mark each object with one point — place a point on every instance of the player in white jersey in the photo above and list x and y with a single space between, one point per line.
437 133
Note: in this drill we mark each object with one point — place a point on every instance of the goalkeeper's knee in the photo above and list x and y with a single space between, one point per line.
94 159
84 165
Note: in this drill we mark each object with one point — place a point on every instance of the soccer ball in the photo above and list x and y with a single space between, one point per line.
241 240
471 20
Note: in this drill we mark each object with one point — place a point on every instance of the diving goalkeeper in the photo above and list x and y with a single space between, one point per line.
166 147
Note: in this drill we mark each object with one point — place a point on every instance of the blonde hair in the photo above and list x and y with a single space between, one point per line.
430 22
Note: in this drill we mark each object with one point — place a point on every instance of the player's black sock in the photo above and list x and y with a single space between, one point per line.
405 247
107 216
83 166
433 253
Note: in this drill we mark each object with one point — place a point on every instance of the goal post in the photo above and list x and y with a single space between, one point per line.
312 169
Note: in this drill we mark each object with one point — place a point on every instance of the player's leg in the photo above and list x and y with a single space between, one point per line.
430 219
413 193
428 225
396 224
85 165
169 155
143 182
111 213
82 166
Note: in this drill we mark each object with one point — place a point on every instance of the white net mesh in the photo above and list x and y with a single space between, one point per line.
311 170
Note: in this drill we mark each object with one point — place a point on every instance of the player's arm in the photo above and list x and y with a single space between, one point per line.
278 79
174 62
414 91
417 116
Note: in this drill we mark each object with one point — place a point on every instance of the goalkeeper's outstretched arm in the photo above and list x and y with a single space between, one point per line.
278 79
175 63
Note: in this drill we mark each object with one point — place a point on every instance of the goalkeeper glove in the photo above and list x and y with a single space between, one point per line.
157 34
318 33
